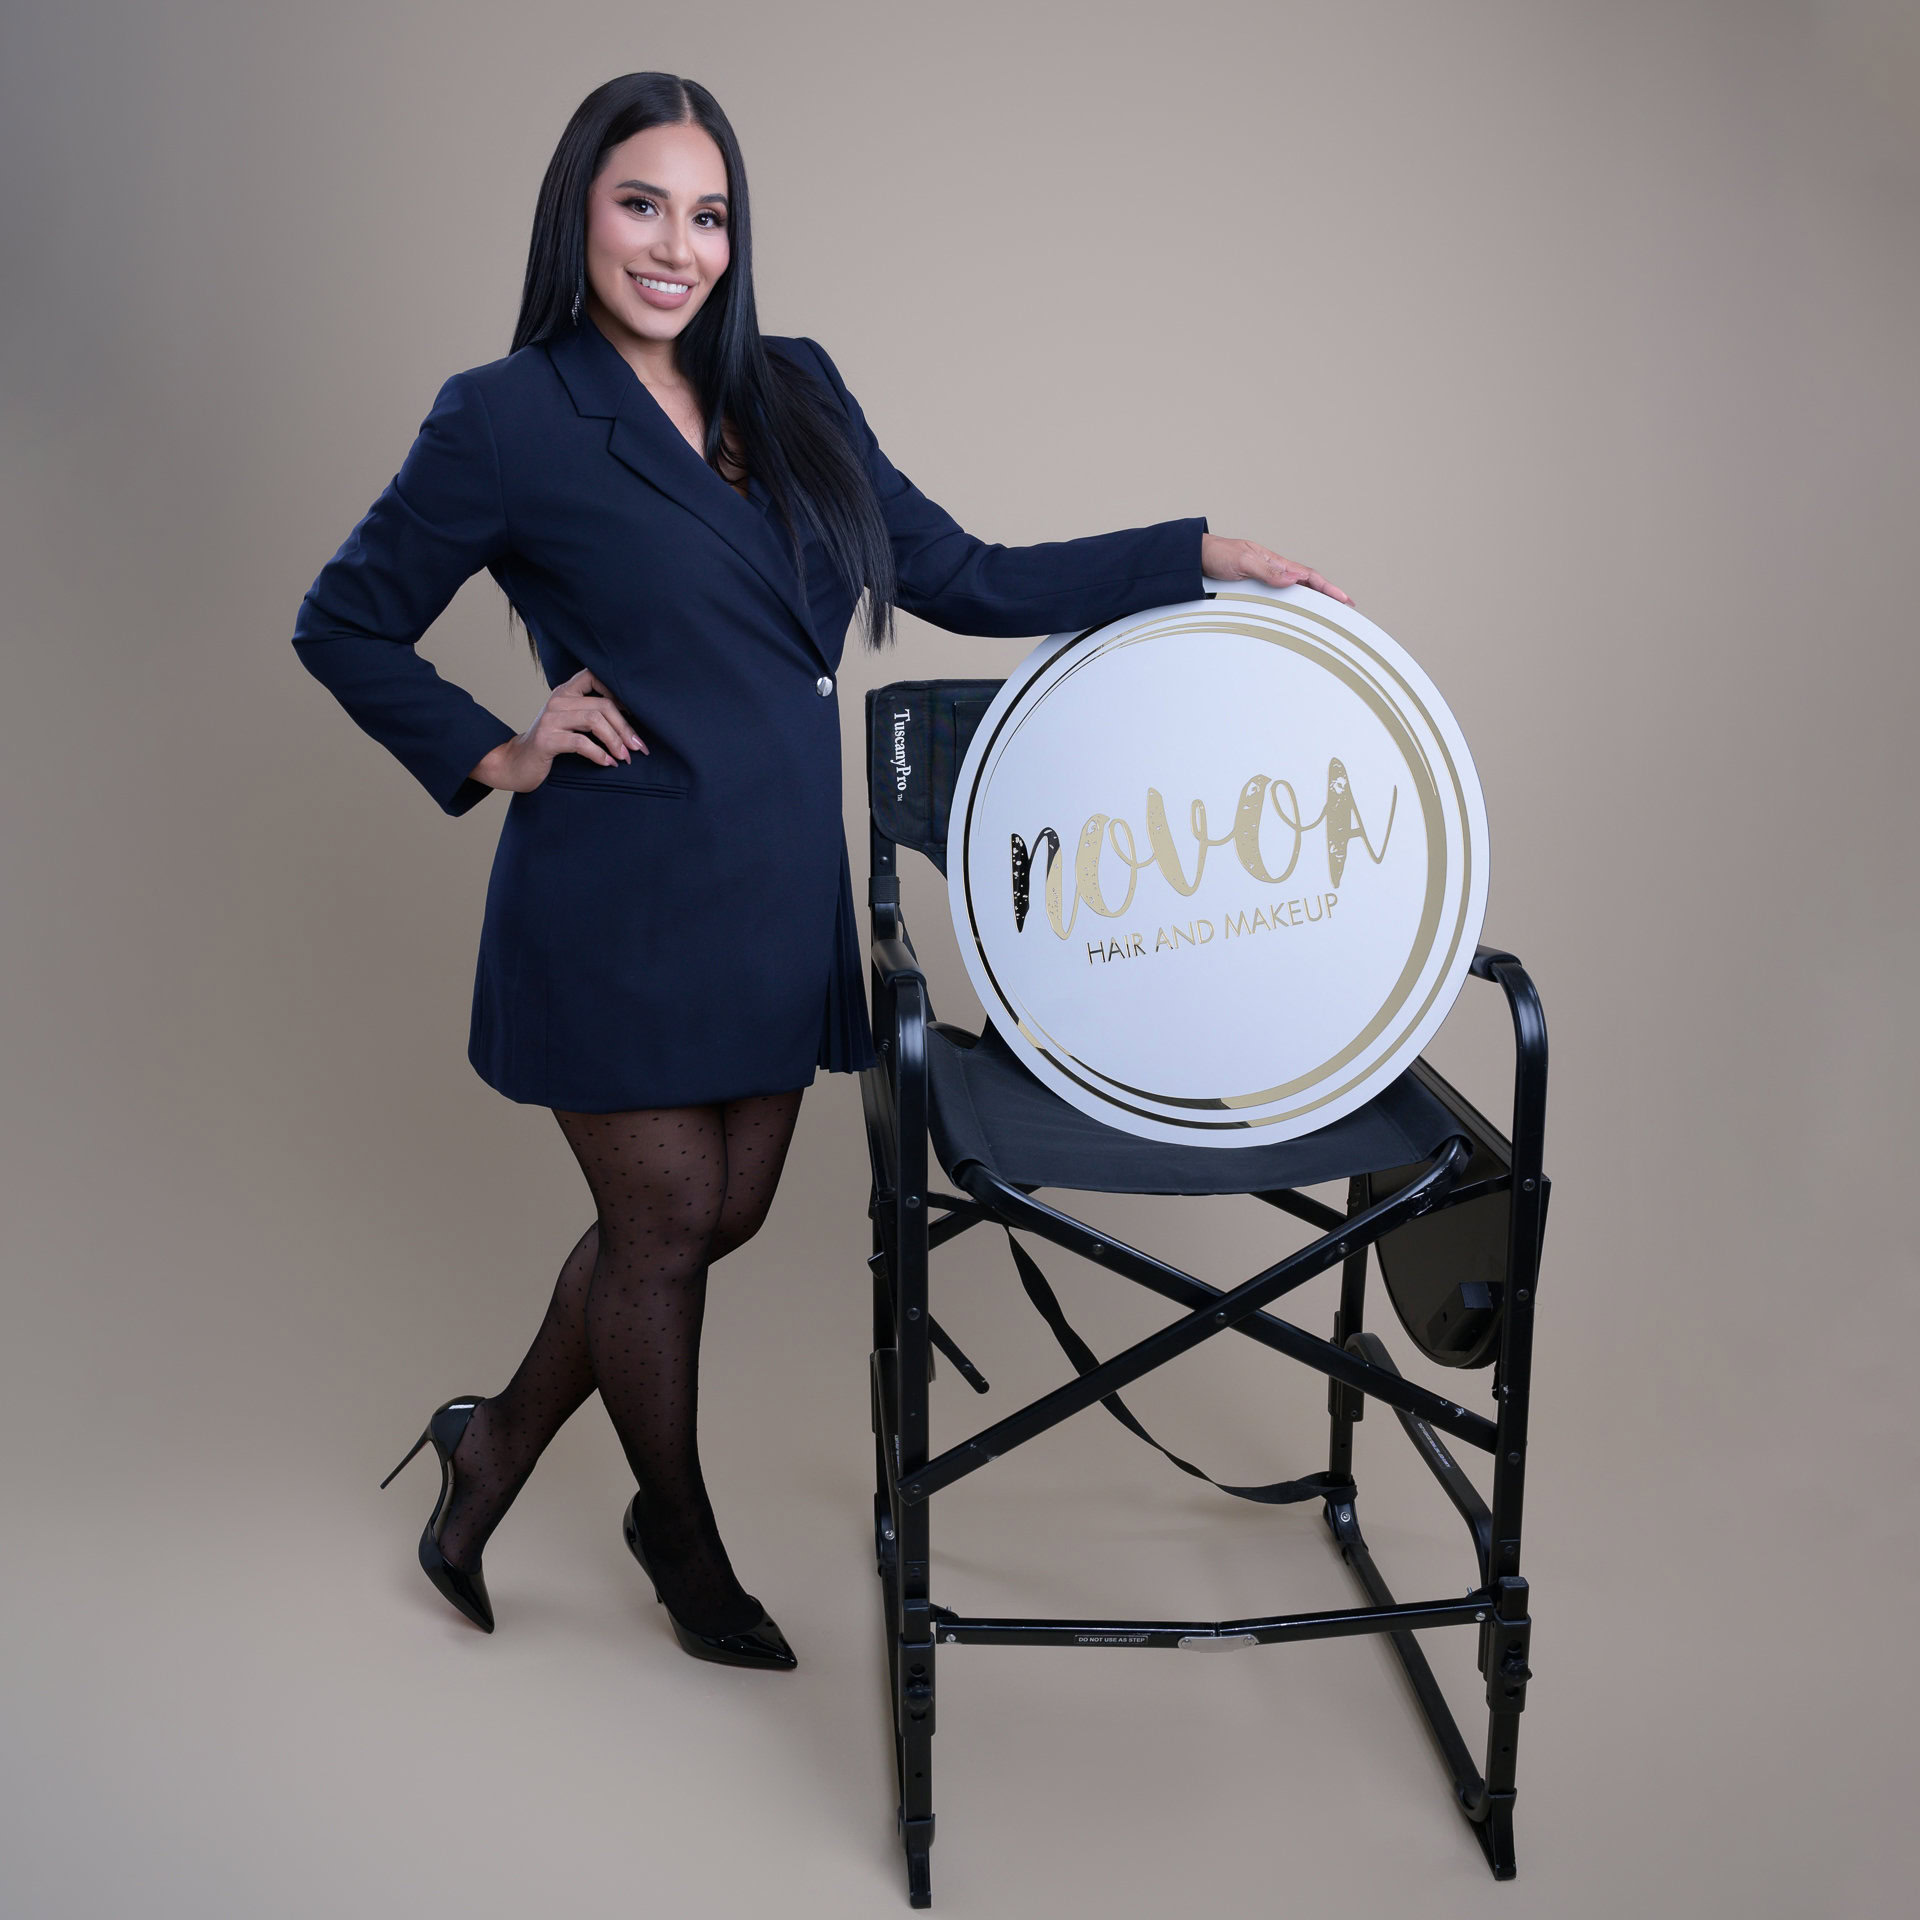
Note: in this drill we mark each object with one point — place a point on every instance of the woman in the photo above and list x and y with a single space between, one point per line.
684 514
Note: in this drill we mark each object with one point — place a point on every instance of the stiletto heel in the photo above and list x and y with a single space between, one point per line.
760 1645
466 1590
425 1436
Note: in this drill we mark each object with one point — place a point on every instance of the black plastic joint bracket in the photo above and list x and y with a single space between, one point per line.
1505 1641
916 1681
883 890
1342 1517
918 1832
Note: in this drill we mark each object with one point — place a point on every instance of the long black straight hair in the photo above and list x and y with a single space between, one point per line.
785 429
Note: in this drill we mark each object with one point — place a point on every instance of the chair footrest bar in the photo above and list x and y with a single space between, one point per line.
1206 1635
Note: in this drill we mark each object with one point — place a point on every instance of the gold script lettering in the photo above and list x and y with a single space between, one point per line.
1104 833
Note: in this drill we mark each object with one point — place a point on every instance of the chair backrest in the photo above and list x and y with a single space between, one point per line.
918 732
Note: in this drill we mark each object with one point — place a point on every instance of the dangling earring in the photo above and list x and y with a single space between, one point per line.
576 305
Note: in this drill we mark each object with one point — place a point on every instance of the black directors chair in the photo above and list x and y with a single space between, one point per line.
1453 1209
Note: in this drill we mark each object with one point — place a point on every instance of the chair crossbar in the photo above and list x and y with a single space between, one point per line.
1264 1630
1480 1189
1015 1207
1021 1210
1466 1497
1410 1405
1213 1315
1316 1213
962 1214
967 1371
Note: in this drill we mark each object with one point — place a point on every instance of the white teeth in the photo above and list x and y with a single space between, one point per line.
662 286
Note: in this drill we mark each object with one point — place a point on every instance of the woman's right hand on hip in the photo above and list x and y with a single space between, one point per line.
581 717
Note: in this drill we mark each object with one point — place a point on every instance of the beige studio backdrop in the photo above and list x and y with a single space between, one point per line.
1577 342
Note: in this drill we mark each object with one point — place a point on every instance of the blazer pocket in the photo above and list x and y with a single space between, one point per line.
588 778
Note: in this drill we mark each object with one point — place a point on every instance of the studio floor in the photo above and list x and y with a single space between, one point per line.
233 1693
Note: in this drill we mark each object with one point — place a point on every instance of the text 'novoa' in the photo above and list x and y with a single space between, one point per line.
1107 834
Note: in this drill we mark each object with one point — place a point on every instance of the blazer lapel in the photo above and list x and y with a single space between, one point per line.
603 386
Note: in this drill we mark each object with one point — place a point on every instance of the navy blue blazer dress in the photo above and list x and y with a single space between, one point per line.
679 930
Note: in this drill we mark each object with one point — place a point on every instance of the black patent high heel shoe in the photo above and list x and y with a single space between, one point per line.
760 1645
467 1591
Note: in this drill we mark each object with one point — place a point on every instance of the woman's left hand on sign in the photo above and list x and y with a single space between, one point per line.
1224 559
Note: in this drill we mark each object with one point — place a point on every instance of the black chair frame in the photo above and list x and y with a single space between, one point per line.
1475 1164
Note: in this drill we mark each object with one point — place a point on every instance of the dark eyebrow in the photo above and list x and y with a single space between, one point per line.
660 193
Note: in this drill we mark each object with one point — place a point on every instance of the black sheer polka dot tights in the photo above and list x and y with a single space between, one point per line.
675 1188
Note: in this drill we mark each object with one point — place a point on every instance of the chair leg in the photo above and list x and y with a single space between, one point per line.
1503 1659
901 1552
910 1684
901 1540
914 1692
912 1628
1495 1834
885 1545
1345 1404
1486 1800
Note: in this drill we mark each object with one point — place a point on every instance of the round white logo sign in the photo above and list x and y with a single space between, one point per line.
1218 870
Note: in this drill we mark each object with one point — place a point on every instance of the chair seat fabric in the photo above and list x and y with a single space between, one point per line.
986 1107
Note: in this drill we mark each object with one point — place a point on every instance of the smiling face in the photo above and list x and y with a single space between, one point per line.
656 233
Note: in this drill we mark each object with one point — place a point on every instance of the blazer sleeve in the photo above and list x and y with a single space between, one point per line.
951 579
440 521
